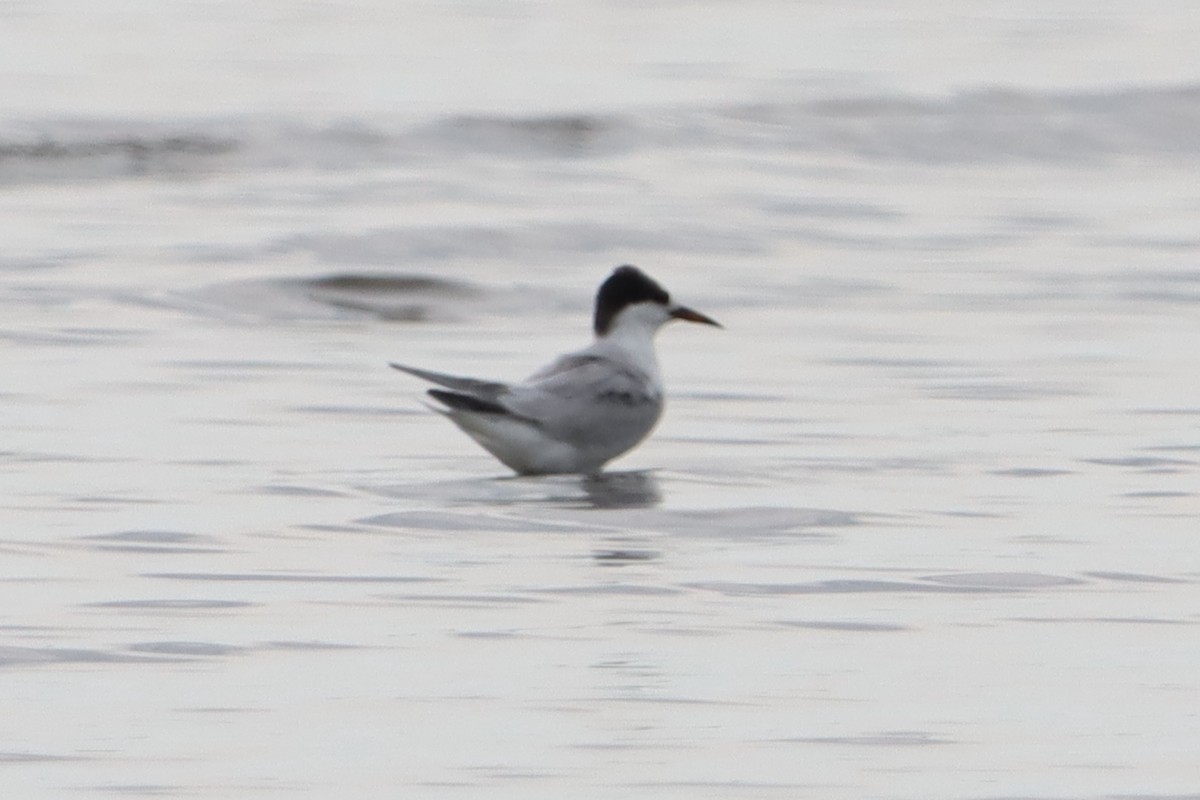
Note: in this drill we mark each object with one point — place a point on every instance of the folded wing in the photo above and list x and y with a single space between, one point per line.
586 398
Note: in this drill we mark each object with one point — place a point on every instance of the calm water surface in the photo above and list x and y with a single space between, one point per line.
920 523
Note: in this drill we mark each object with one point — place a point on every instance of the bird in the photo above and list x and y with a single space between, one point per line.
583 409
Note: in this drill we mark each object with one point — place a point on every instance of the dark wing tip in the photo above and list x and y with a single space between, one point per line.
466 402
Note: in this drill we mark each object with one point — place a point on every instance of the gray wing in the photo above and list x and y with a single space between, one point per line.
484 390
583 396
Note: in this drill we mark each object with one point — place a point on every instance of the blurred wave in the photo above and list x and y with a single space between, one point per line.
387 297
986 126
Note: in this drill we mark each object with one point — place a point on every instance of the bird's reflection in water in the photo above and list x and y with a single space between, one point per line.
621 556
637 489
618 490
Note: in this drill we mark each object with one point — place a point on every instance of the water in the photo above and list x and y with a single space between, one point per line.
920 523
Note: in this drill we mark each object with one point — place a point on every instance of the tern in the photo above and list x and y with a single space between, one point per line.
585 408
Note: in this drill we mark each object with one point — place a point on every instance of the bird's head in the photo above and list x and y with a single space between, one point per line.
630 298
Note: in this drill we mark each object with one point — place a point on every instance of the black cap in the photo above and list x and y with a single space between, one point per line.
626 286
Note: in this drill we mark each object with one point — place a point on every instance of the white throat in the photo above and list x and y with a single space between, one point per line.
631 336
